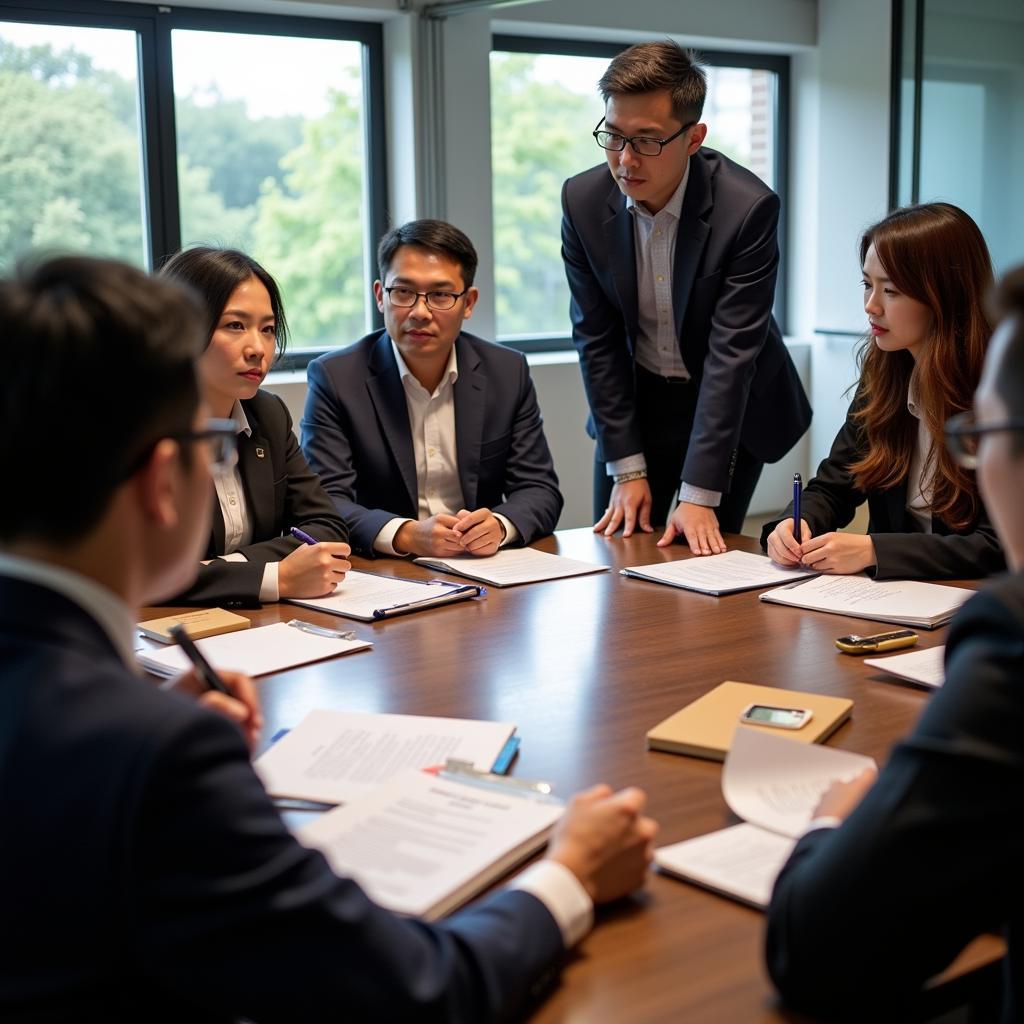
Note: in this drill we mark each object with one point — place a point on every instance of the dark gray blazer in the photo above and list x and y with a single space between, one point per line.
723 287
356 435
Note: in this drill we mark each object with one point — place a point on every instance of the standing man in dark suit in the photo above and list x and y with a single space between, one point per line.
863 914
671 255
144 873
429 439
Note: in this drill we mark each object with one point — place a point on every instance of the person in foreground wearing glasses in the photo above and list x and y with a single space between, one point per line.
251 555
429 439
926 273
671 253
144 873
929 856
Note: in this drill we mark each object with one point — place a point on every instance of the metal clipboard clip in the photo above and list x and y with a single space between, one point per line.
458 770
326 631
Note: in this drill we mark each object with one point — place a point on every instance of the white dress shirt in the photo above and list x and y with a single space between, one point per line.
235 512
657 347
920 476
432 422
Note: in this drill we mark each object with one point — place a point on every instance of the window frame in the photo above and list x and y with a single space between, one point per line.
153 24
777 63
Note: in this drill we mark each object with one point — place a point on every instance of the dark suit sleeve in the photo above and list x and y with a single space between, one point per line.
931 858
533 501
299 500
599 334
234 914
329 451
740 323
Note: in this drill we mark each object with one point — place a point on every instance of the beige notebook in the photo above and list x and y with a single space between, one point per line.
705 728
203 622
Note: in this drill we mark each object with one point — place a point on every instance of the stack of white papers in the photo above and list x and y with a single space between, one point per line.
926 667
256 652
422 845
512 566
906 602
718 574
335 756
775 785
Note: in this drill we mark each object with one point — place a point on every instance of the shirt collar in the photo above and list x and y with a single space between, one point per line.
103 605
673 208
912 399
240 420
450 375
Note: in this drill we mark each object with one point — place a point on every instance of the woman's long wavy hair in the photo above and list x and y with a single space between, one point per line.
936 254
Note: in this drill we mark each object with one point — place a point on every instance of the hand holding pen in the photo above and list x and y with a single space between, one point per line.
786 540
314 568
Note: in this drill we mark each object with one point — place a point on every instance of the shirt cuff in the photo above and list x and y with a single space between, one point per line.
825 821
235 556
384 542
630 464
699 495
269 590
562 894
511 533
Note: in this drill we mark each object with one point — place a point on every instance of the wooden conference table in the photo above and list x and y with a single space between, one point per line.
584 667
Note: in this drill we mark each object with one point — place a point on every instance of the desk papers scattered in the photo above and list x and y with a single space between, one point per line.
775 785
256 652
925 667
905 602
423 845
727 573
512 566
334 756
367 596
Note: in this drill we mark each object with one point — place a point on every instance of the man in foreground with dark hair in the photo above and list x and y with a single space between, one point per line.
144 873
864 913
671 254
429 439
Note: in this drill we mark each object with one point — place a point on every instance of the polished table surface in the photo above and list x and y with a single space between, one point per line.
585 666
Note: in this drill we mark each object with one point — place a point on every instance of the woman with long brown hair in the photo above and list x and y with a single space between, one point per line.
926 274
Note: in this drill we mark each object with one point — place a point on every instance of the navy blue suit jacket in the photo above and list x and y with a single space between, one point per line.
145 875
723 287
864 914
356 435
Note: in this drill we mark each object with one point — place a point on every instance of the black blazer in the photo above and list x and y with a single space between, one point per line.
723 287
281 492
356 435
831 499
863 915
145 875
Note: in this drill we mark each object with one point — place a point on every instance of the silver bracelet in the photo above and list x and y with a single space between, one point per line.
625 478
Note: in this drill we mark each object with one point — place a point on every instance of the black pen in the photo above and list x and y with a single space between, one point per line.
203 667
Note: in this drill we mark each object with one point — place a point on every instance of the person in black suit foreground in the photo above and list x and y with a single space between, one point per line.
251 556
926 273
863 914
144 873
671 253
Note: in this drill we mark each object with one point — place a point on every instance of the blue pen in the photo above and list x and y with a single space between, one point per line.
798 484
300 535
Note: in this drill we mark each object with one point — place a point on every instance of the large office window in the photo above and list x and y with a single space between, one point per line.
544 106
129 130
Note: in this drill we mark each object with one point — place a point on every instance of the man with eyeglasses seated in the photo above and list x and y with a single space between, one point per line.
144 873
671 253
428 439
929 856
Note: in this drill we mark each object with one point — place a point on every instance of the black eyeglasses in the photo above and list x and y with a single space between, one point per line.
963 434
406 298
220 437
642 145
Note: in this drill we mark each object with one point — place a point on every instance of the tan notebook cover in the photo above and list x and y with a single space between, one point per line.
201 623
705 728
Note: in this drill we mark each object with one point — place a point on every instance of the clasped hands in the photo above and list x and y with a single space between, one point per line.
477 533
836 553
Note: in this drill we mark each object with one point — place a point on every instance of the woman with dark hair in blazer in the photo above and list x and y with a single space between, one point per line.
926 273
252 557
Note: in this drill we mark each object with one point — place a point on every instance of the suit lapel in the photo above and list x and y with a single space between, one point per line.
388 398
256 467
691 236
621 248
470 406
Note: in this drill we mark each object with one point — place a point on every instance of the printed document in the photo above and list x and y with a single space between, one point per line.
926 667
512 566
718 574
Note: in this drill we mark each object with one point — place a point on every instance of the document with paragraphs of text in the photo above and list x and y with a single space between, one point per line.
905 602
423 845
335 756
926 668
512 566
773 784
726 573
